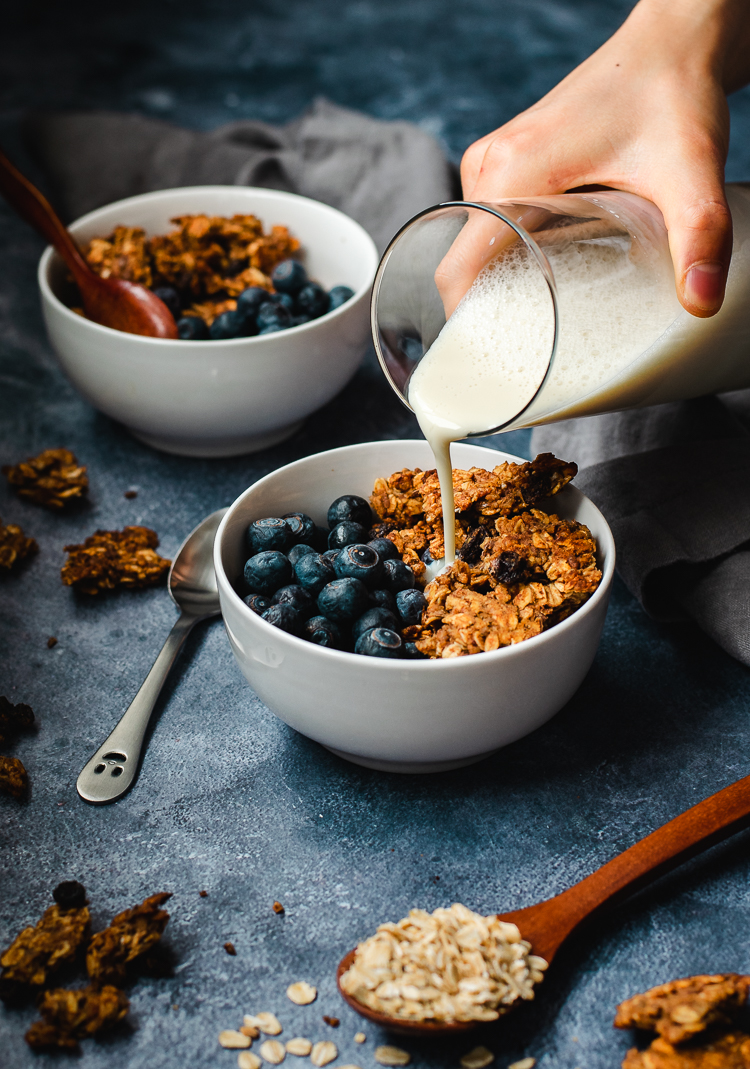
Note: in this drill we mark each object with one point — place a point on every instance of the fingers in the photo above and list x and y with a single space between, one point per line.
700 241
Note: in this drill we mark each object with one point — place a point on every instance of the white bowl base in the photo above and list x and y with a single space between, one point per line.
218 447
409 767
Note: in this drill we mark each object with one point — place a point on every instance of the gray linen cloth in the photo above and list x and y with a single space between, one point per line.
380 173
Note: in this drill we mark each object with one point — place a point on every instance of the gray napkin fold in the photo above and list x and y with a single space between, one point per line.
380 173
674 484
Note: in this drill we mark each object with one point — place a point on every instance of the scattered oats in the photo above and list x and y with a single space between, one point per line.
273 1051
525 1063
477 1058
302 993
323 1053
229 947
349 1067
233 1040
334 1022
266 1022
450 965
247 1060
278 908
300 1047
248 1030
359 1037
392 1056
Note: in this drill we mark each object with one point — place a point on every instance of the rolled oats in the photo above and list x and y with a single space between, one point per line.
247 1060
299 1047
524 1063
392 1056
233 1040
248 1030
450 965
359 1037
266 1022
477 1058
323 1053
302 993
272 1051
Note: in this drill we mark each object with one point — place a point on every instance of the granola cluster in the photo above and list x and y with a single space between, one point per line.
15 546
209 260
109 559
53 479
518 570
693 1022
450 965
14 719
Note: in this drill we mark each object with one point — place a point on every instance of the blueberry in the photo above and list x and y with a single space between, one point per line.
228 325
380 642
283 300
250 300
297 597
285 617
257 603
383 599
374 618
269 533
289 276
267 571
312 300
313 572
339 295
410 604
323 632
359 562
384 548
343 599
346 534
412 653
320 539
331 554
302 526
298 551
427 558
170 297
352 508
70 894
397 576
192 328
271 314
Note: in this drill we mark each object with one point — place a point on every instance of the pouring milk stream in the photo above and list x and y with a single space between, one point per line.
577 318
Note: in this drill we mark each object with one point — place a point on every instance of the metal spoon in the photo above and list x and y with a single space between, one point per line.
192 586
548 924
113 302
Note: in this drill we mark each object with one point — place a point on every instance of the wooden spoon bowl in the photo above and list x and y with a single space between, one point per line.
548 924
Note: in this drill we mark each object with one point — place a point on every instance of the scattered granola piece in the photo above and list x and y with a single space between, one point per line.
53 479
323 1053
36 952
392 1056
681 1008
108 559
129 935
359 1037
728 1051
302 993
14 719
247 1060
486 967
203 894
233 1040
68 1016
15 546
272 1051
478 1058
278 908
130 494
229 947
300 1047
524 1063
334 1022
51 642
14 779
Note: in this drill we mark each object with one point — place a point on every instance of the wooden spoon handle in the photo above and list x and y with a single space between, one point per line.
34 207
549 923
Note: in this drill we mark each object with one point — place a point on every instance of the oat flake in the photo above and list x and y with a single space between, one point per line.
323 1053
477 1058
302 993
300 1047
233 1040
525 1063
273 1051
359 1037
392 1056
266 1022
247 1060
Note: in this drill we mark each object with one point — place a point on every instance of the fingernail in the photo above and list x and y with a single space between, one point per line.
704 285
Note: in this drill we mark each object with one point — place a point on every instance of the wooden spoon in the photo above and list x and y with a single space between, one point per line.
113 302
548 924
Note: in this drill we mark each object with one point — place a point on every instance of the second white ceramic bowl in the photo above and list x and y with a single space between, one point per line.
402 716
218 398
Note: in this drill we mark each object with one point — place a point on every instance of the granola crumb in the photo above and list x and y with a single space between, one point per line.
278 908
14 779
51 642
478 1058
323 1053
229 947
359 1037
392 1056
203 894
302 993
233 1040
130 494
273 1051
15 546
334 1022
299 1047
110 559
53 479
14 719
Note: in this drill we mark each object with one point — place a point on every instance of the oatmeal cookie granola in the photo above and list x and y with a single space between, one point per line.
124 254
108 559
68 1016
681 1008
36 952
131 933
15 546
54 478
14 779
728 1051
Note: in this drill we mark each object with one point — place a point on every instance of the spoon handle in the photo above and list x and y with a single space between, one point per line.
114 767
34 207
712 820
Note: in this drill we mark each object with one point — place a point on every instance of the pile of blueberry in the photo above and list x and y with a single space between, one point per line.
333 587
296 300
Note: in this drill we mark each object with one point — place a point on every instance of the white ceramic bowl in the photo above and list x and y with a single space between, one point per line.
402 716
219 398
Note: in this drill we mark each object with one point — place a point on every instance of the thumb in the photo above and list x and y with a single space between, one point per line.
699 224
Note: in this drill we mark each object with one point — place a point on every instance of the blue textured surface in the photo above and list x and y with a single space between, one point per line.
231 800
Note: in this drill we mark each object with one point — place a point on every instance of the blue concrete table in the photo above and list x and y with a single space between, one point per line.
230 800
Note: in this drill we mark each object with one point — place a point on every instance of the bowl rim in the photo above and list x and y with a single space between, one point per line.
157 194
607 551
